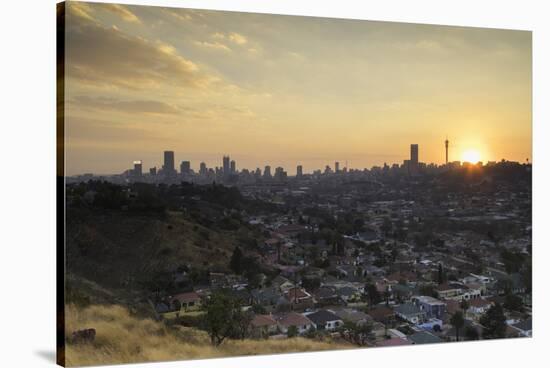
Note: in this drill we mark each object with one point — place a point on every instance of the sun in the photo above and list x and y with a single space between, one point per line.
471 156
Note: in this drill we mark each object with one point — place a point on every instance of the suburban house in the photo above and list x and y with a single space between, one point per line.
299 298
187 302
282 283
326 295
410 313
325 320
263 325
433 307
449 291
265 297
286 320
478 307
354 316
383 315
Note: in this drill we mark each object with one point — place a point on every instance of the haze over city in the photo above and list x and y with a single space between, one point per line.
283 91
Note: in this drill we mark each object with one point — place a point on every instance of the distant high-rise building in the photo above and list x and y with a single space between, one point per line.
233 167
414 154
169 167
185 167
153 171
203 170
280 174
226 165
267 172
336 167
299 171
138 168
258 173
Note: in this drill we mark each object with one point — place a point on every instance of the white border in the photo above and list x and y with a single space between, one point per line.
27 184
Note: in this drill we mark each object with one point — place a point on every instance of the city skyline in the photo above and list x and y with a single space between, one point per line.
285 91
168 167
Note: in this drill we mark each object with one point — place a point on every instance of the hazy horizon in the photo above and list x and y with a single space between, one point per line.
287 90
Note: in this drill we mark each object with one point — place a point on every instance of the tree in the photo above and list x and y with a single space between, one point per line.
464 305
457 320
222 317
236 261
373 294
357 333
440 274
494 322
471 333
258 309
292 331
513 302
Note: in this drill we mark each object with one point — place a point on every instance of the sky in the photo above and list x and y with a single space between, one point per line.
285 90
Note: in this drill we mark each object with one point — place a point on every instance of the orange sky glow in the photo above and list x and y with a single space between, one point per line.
284 90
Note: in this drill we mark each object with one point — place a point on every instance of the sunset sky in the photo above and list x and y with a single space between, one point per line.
282 90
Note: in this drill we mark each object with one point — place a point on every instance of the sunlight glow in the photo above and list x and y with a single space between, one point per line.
471 156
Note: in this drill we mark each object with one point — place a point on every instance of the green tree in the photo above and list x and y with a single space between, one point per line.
471 333
513 302
441 278
357 333
373 294
223 314
292 331
457 321
464 305
494 322
235 264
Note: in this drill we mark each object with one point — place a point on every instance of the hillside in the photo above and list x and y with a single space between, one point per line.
124 338
135 246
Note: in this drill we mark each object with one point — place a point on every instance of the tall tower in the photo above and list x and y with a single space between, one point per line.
226 165
446 151
414 154
168 168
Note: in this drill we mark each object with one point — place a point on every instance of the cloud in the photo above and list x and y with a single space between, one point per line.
212 45
126 106
237 38
234 37
109 57
123 12
81 10
180 14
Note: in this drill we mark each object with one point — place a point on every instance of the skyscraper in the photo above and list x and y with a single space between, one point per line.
336 167
233 167
299 171
414 154
203 169
168 168
267 172
185 167
280 174
138 168
226 165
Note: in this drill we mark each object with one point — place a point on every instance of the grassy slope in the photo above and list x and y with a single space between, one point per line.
123 338
120 250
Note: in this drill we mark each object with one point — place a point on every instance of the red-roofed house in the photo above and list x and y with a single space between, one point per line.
263 325
187 301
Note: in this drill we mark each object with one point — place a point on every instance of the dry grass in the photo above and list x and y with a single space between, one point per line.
122 338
